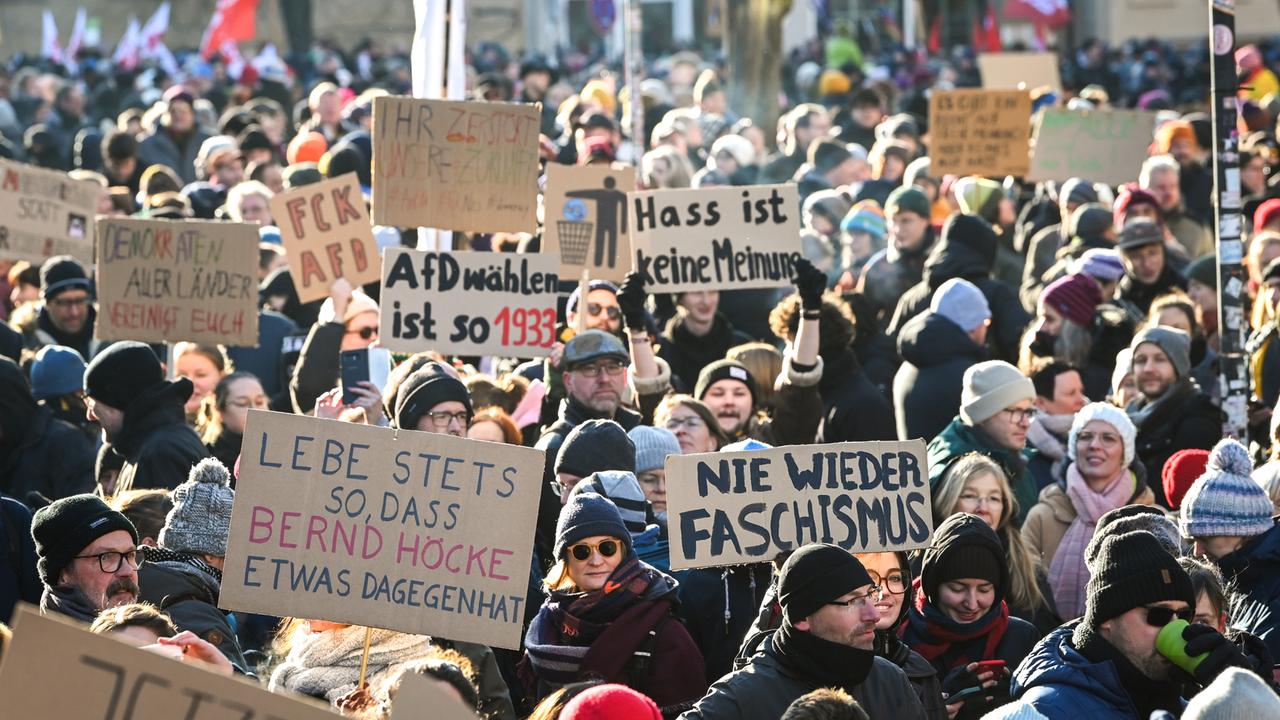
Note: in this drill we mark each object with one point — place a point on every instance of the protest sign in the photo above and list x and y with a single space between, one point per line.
1106 146
1019 70
716 238
326 232
586 211
469 166
169 280
743 507
468 303
54 669
45 213
418 532
980 132
417 692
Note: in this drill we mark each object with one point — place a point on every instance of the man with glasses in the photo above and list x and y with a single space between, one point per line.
1108 664
433 400
88 557
826 639
997 407
67 312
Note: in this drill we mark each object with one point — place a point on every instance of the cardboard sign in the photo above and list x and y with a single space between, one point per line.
326 233
469 166
167 280
1106 146
586 226
716 238
743 507
54 669
468 303
416 693
1019 70
411 531
980 132
45 213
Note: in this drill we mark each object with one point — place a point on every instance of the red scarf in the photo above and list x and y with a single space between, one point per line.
932 633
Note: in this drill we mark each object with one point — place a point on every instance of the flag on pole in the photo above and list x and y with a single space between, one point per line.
76 40
49 47
127 55
233 20
152 40
1052 13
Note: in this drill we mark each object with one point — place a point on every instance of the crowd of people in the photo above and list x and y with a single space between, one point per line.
1100 549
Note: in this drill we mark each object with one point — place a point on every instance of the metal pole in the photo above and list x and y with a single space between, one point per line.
1226 172
909 24
633 73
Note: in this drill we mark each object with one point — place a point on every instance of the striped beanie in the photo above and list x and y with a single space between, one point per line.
1075 297
624 491
866 217
1225 500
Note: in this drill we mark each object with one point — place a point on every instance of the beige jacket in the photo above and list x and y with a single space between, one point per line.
1048 520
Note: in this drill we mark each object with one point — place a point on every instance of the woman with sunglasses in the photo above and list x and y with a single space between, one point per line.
959 621
348 321
609 615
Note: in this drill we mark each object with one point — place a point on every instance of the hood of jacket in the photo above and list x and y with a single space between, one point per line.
168 581
963 534
1256 559
967 250
19 406
1055 663
159 405
928 340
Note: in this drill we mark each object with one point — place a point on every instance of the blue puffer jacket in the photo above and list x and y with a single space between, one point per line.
1062 684
1254 571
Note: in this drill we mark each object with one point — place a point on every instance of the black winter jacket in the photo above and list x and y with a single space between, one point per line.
158 446
1193 421
37 452
318 366
189 596
687 353
19 579
853 408
716 629
926 390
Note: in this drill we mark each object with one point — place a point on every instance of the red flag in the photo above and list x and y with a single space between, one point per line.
233 20
991 32
934 43
1054 13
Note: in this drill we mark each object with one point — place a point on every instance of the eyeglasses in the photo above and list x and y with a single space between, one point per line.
592 371
111 560
582 551
1159 616
693 423
1107 439
70 302
860 601
562 489
612 310
894 584
1025 415
442 419
365 333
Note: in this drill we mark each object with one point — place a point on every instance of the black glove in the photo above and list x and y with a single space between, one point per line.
1257 653
631 297
1222 652
810 283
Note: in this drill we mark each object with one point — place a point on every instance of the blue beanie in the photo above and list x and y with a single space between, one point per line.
1225 500
587 515
57 370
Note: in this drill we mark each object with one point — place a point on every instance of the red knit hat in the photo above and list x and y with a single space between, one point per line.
1267 212
1180 472
610 702
1075 297
1133 195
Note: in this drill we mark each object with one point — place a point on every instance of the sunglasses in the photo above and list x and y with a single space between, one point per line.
582 551
612 311
1158 616
365 333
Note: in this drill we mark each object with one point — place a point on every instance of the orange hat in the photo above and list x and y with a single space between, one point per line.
833 82
1175 130
306 147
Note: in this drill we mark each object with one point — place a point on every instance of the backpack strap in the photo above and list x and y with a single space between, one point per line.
638 666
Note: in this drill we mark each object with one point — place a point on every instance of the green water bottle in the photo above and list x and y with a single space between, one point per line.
1170 644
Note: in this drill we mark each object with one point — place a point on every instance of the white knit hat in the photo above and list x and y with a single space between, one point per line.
990 387
1111 415
1235 694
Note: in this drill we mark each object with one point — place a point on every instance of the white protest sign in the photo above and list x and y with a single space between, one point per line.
45 213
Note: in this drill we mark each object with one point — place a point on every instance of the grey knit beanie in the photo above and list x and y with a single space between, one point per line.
1225 500
1175 344
653 445
200 520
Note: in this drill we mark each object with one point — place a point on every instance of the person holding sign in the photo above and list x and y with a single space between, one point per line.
348 321
609 615
826 639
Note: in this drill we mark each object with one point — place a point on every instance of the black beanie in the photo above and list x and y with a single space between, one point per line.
596 446
1204 271
964 546
815 575
426 388
1132 569
60 273
66 527
827 154
973 232
254 138
121 373
724 370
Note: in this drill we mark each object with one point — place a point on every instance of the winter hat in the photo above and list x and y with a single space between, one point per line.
919 169
1131 570
610 702
990 387
296 176
594 446
826 154
67 526
254 138
867 217
910 199
833 82
121 373
200 520
586 515
979 196
1139 233
1090 221
961 302
1129 197
1075 297
970 231
307 147
425 388
1111 415
1236 694
724 370
1225 500
1102 264
653 445
60 273
1078 190
1180 472
359 303
746 444
1124 366
56 370
1121 520
1175 344
1204 271
572 304
269 234
830 204
623 490
964 546
1266 213
815 575
210 149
